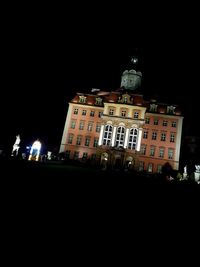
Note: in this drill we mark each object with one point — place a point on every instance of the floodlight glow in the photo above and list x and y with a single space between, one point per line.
35 150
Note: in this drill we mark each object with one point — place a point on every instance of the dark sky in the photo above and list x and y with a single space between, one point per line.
42 69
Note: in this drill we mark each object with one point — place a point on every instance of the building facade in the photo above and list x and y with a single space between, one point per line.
120 129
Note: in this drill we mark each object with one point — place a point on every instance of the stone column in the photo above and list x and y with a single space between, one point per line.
139 139
101 135
126 138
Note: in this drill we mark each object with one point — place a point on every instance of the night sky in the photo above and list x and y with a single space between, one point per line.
43 69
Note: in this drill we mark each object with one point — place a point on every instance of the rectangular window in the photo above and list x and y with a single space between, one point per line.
147 120
163 136
92 113
154 135
70 138
170 153
145 134
155 122
150 167
85 155
123 113
87 141
159 168
172 137
100 114
93 157
95 142
165 123
136 115
76 155
84 112
89 128
152 151
161 152
78 140
173 123
76 111
98 128
143 149
73 124
141 166
81 125
111 112
82 99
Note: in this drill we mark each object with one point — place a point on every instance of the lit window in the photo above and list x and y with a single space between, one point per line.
84 112
155 122
154 135
153 108
70 138
174 124
95 142
111 112
89 128
172 137
132 138
152 151
163 136
98 101
98 128
145 134
136 115
161 152
107 135
73 124
87 141
170 153
123 113
147 120
82 99
120 137
81 125
143 149
76 111
78 141
92 113
164 123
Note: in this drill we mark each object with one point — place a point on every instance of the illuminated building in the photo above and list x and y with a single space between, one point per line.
121 129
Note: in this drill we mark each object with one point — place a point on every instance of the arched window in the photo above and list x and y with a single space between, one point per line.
132 138
107 135
120 137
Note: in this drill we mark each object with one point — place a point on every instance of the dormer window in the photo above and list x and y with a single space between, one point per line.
82 99
98 101
153 107
170 110
125 99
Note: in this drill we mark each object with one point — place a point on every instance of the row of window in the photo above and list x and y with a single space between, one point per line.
120 136
149 167
76 155
161 151
80 139
164 122
84 112
89 126
162 137
83 99
123 113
